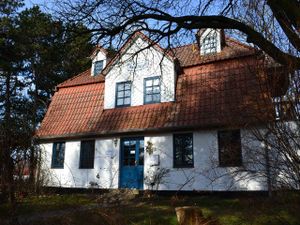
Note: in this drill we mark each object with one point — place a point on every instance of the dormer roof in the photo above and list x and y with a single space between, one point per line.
133 37
96 50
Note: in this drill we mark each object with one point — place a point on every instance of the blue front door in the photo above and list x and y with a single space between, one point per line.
132 163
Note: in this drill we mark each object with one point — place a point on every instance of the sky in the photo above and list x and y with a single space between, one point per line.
30 3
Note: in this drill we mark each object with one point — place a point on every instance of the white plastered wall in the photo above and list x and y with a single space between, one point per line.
105 172
206 174
133 67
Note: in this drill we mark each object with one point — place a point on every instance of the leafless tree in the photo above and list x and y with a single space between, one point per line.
262 23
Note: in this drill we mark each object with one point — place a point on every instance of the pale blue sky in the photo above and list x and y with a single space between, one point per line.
42 3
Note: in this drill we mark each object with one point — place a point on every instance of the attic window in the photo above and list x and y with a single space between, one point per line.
209 43
123 94
98 66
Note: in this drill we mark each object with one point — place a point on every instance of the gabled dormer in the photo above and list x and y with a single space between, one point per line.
141 73
99 60
210 41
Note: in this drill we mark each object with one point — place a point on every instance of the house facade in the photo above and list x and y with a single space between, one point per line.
150 118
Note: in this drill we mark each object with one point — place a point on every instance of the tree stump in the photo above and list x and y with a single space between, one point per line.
190 215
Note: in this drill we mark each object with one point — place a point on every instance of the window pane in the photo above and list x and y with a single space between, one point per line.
156 90
209 43
152 90
148 98
127 101
98 66
230 153
156 98
148 90
127 85
156 81
148 83
183 150
87 153
120 94
58 155
120 87
129 153
123 94
127 94
120 101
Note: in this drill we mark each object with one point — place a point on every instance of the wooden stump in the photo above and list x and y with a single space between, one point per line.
190 215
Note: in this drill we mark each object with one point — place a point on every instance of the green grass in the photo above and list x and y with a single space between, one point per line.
281 210
46 203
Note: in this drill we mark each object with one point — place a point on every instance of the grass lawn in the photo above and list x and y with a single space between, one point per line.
281 210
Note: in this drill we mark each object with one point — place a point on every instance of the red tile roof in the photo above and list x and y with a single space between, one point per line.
82 79
218 94
189 55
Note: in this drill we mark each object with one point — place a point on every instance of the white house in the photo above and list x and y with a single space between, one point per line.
150 118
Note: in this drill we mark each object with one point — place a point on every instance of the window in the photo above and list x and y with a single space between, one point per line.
98 66
209 43
133 151
230 152
87 154
152 90
123 94
183 150
58 155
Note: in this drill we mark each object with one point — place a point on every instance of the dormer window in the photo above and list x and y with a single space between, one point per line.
152 90
123 94
98 67
209 43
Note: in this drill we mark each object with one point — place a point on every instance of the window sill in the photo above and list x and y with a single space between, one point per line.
183 167
230 166
121 106
149 103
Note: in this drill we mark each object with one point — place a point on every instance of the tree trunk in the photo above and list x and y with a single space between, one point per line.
190 215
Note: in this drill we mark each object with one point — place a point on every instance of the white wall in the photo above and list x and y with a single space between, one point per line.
206 174
106 166
131 67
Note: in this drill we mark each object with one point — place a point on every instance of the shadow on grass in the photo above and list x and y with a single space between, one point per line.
280 210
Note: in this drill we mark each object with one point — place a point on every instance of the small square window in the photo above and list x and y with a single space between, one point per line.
98 66
183 150
58 155
152 90
87 154
230 151
123 94
209 43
